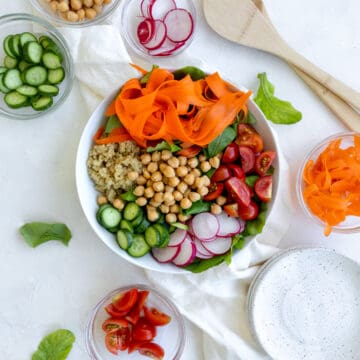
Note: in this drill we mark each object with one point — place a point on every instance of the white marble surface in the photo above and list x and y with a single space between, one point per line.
53 286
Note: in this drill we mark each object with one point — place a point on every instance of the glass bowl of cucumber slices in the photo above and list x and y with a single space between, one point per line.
36 68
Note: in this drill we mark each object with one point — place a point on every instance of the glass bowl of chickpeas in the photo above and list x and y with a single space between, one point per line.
76 12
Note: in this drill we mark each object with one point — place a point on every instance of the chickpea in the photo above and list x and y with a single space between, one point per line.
158 186
72 16
119 204
170 218
166 155
132 175
107 1
156 176
169 172
63 6
189 179
203 191
141 180
193 162
182 160
162 167
98 8
173 162
175 209
141 201
205 166
81 14
149 192
88 3
195 172
168 197
221 200
152 214
215 209
90 13
206 181
101 200
185 203
152 167
169 189
149 183
183 217
53 6
202 157
154 203
145 159
98 2
198 183
146 174
214 162
177 195
182 171
164 208
156 156
76 4
174 181
182 187
139 190
194 196
159 197
187 193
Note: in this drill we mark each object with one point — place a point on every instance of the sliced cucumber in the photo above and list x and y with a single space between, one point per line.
126 225
110 217
139 246
152 237
131 211
23 65
51 60
35 75
16 100
15 46
124 238
42 103
3 88
10 62
140 229
51 90
164 235
27 90
26 37
99 211
33 52
56 76
6 46
138 220
50 45
12 79
3 69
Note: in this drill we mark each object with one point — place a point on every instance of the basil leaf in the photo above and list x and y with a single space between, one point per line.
194 72
198 207
128 196
111 124
55 346
276 110
163 146
251 180
146 77
37 233
221 142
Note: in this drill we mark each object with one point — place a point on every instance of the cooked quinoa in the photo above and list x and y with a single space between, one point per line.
109 165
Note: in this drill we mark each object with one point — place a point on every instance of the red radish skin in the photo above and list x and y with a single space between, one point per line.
186 254
219 246
228 226
177 237
145 7
159 36
179 24
201 250
166 48
205 226
165 255
145 31
159 8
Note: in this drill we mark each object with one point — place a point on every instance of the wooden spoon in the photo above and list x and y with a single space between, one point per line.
242 22
339 107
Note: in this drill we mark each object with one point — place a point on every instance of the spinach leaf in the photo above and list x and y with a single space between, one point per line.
256 226
251 180
198 207
194 72
146 77
276 110
55 346
163 146
36 233
221 142
250 119
112 123
128 196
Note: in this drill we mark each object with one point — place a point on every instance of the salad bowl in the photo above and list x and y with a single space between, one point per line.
88 194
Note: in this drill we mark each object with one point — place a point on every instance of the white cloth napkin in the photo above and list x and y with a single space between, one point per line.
215 300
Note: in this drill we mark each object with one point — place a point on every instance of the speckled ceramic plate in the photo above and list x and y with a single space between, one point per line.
305 304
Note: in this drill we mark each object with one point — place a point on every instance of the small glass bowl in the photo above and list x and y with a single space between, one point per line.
132 16
351 223
170 337
19 23
43 7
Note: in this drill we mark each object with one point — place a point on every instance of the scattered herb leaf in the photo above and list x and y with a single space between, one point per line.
146 77
128 196
250 119
112 123
198 207
251 180
163 146
194 72
221 142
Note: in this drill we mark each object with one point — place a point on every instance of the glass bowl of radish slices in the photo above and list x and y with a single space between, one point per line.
158 27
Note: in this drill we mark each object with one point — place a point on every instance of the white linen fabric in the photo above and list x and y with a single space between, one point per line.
214 300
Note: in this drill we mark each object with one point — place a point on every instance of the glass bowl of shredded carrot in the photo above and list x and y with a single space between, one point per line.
328 183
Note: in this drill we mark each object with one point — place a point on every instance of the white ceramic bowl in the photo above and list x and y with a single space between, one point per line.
88 194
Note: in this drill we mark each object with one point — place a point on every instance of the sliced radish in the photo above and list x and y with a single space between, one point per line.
201 251
166 48
145 7
177 237
186 254
218 246
205 226
229 226
159 36
145 30
179 24
159 8
165 255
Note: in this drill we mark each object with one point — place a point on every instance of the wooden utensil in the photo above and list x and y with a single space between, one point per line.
242 22
339 107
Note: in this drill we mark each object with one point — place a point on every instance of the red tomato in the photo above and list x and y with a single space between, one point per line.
110 309
238 190
248 136
143 330
263 188
124 336
156 317
231 153
247 157
113 324
237 171
152 350
263 162
249 212
112 342
221 174
126 300
134 345
232 209
190 151
134 313
215 190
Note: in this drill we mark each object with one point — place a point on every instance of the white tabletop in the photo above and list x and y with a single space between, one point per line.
53 286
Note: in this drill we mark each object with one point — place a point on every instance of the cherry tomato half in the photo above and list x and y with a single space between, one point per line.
249 212
190 151
134 313
152 350
238 190
263 162
156 317
112 342
134 345
248 136
126 300
247 157
215 190
124 337
110 309
231 154
237 171
143 330
232 209
263 188
221 174
113 324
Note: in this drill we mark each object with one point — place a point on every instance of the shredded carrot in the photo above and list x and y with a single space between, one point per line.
139 68
110 109
332 184
116 135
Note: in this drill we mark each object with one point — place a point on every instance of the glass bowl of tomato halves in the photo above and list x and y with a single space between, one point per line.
135 322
